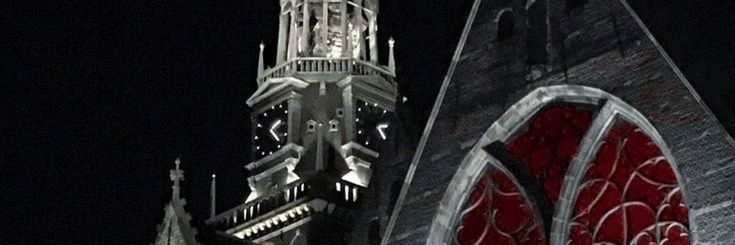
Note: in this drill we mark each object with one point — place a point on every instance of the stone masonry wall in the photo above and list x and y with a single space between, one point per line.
599 44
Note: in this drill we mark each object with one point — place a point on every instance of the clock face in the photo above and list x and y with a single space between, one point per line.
371 124
271 130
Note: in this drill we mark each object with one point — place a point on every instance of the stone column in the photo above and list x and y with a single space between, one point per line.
292 37
357 20
325 28
282 36
373 39
306 30
343 27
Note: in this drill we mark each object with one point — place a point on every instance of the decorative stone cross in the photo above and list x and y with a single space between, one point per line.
177 175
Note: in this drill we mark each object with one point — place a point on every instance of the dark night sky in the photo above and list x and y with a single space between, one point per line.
97 100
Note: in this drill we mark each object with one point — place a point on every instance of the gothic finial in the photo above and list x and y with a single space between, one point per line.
212 196
260 61
176 175
391 56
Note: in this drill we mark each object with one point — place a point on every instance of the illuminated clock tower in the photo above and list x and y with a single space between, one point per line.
321 115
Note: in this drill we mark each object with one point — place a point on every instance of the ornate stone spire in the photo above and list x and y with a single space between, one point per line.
177 175
212 196
175 227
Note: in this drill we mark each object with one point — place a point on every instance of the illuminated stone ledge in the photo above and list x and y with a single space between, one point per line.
280 221
255 210
309 65
350 191
289 151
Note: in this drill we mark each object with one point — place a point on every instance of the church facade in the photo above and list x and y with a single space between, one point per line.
565 122
558 122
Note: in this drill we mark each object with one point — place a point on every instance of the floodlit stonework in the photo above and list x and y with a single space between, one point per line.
565 122
326 141
558 122
175 227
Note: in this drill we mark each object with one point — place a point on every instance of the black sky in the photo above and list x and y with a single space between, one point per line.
98 99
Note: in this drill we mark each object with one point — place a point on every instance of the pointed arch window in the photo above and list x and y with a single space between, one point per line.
535 160
537 33
505 25
566 165
500 212
629 193
573 4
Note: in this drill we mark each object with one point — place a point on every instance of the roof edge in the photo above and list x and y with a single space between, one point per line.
430 122
676 70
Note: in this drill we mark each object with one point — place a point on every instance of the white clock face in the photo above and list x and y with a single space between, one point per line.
371 124
271 130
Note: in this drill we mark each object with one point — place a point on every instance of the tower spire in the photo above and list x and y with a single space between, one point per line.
177 175
319 120
175 227
260 61
391 56
212 196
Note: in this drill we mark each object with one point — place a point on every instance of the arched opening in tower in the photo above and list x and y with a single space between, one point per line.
505 26
537 34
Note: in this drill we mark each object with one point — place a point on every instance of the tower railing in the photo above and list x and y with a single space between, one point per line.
311 65
249 211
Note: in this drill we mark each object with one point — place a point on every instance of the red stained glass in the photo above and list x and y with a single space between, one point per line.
550 142
498 213
629 195
501 214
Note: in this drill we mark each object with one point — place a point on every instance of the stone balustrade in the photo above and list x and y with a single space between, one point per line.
348 66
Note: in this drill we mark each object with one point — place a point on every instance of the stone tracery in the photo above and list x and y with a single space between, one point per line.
499 213
628 194
549 143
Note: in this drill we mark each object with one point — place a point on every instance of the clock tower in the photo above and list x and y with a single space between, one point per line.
320 117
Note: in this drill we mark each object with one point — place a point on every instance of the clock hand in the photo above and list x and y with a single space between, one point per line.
275 126
380 128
